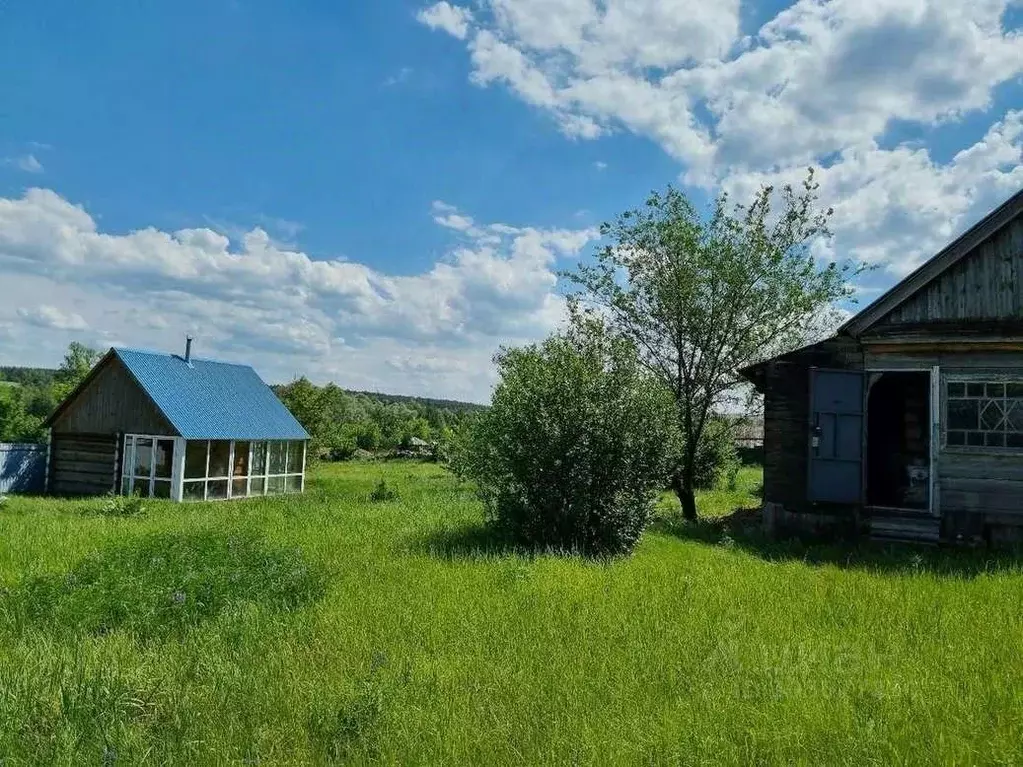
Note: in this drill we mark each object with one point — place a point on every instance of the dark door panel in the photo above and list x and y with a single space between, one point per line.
836 436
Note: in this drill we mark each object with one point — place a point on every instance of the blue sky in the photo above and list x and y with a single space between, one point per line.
379 193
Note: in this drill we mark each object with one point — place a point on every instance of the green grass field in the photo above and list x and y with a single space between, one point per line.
331 628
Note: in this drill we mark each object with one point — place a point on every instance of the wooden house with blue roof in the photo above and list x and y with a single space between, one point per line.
178 427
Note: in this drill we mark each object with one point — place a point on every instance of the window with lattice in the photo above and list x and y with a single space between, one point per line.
984 414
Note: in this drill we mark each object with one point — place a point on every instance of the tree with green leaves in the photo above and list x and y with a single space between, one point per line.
78 361
17 423
702 297
570 454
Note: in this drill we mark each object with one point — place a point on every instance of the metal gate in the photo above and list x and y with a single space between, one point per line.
22 468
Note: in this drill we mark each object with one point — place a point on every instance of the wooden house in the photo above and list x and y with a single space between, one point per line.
908 422
169 426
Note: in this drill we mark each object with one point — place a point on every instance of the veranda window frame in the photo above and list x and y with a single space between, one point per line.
266 475
128 445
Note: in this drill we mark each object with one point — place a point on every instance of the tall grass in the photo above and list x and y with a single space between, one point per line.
332 628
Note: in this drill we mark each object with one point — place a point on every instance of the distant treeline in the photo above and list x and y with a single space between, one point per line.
37 377
443 404
342 422
339 421
29 395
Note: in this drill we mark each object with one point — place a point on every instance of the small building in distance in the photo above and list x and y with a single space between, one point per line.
414 447
908 422
178 427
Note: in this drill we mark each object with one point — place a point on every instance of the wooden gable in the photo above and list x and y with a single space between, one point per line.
109 401
978 278
986 284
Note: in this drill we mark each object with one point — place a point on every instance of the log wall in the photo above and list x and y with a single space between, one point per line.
83 464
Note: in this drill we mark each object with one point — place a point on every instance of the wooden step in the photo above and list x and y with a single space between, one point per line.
905 526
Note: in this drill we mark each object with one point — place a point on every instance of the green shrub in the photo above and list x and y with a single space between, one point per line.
717 459
572 450
122 506
459 451
383 492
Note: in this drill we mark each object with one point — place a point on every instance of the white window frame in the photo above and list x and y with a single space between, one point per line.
265 476
128 464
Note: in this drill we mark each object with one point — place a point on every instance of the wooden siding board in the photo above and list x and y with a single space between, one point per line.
79 488
1004 467
983 285
982 497
113 403
105 478
85 456
1016 245
972 361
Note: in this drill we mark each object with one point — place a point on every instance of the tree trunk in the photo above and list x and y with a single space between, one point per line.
686 496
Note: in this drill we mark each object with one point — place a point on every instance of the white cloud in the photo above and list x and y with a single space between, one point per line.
600 165
897 207
28 163
401 76
448 216
816 78
820 83
279 307
452 19
52 318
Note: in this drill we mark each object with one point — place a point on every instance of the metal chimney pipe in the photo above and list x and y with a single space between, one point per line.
188 349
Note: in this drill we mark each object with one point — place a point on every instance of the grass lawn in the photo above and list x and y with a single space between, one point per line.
332 628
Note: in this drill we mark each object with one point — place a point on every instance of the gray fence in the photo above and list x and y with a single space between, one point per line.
22 468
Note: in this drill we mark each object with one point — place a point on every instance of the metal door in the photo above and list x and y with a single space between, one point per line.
836 436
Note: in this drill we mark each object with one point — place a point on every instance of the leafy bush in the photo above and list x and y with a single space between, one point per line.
383 492
717 459
459 451
572 450
122 506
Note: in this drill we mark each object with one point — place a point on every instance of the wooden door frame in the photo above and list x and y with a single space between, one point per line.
933 423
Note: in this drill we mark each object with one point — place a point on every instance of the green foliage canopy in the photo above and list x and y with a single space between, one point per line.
701 298
571 453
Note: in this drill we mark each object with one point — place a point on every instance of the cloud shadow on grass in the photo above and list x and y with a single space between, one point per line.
741 531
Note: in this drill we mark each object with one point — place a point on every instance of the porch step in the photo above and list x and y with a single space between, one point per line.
905 527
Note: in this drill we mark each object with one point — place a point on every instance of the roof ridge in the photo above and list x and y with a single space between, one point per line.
153 353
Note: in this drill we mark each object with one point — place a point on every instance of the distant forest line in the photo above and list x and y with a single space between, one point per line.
341 422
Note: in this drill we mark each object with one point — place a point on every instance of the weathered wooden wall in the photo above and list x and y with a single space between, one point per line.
787 416
979 488
83 464
977 359
987 284
112 403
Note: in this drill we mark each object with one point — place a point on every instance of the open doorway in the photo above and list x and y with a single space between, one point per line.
898 440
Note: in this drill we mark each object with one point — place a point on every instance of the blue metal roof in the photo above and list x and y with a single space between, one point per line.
205 399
